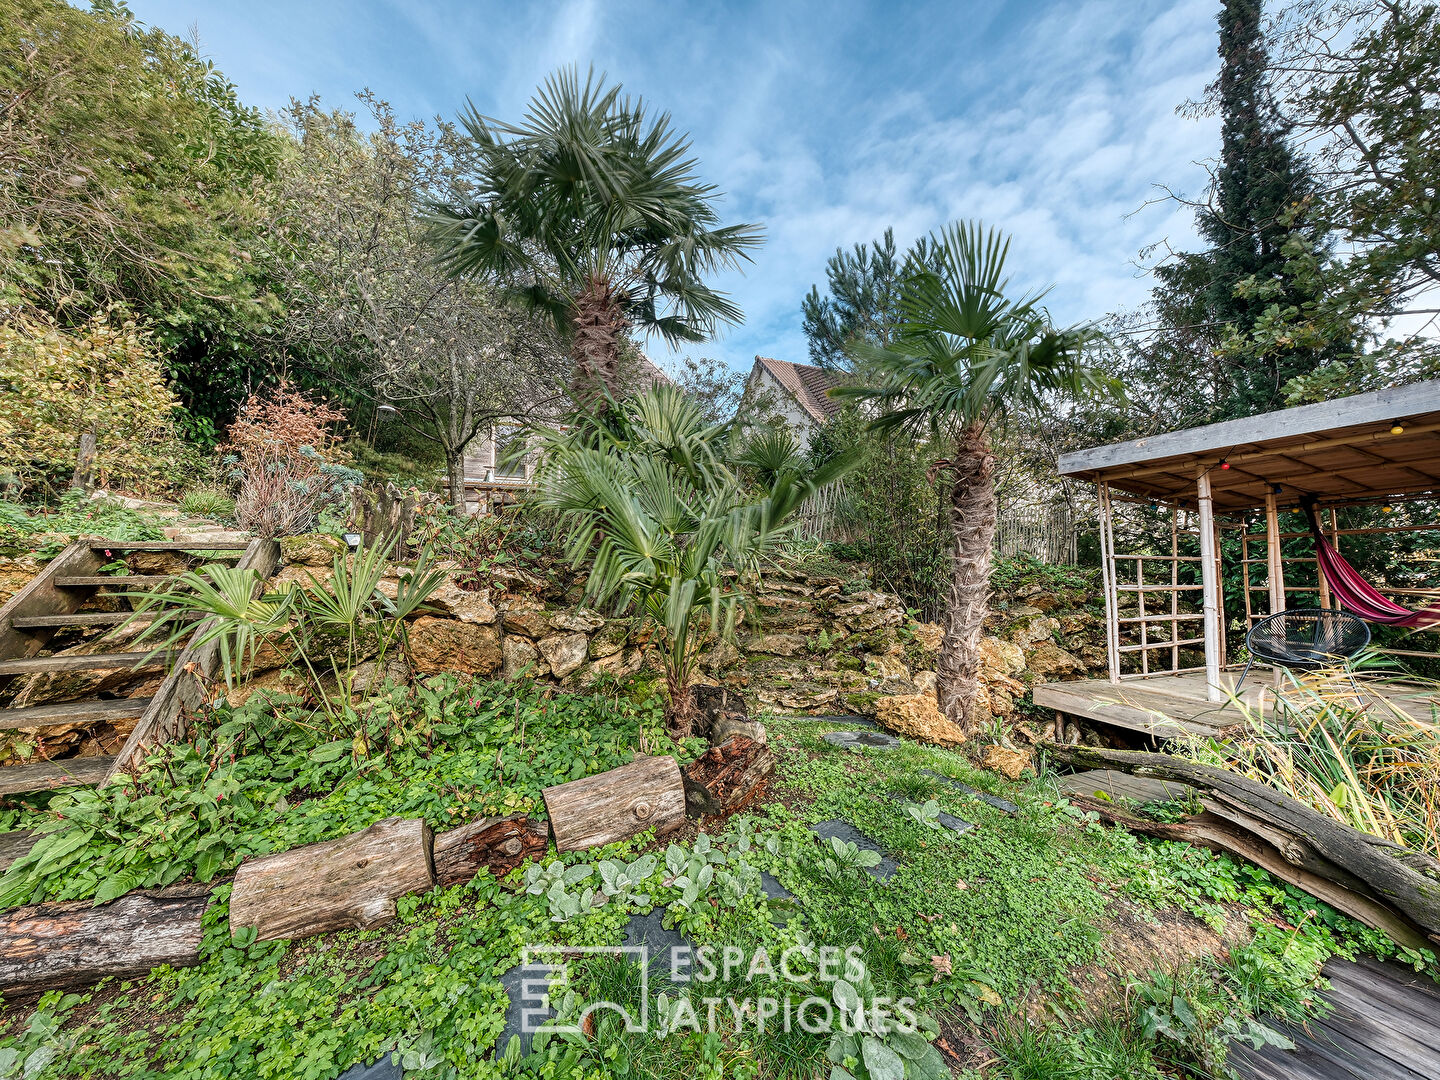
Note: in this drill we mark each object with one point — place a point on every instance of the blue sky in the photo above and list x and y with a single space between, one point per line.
825 122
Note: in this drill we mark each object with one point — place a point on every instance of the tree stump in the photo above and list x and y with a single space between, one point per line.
615 805
64 946
349 883
501 844
713 704
728 777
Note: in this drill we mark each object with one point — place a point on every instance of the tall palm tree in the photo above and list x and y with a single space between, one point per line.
594 208
965 360
650 497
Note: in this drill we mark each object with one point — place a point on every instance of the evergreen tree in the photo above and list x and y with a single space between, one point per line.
1256 220
862 304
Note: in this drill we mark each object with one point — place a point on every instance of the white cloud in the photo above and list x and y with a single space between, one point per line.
825 122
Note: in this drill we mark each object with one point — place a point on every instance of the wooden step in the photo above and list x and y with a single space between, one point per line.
44 775
73 712
169 545
86 618
31 665
129 581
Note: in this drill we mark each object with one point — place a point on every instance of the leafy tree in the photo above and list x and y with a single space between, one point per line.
363 295
105 379
645 489
1359 83
129 173
966 360
862 303
712 383
592 210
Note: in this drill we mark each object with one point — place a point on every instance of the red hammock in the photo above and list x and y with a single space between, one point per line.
1355 593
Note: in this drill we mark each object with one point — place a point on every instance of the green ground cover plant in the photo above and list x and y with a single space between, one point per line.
987 932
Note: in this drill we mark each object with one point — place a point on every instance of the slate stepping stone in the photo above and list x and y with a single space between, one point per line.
959 826
884 870
771 887
845 718
648 930
524 998
1003 805
384 1069
852 739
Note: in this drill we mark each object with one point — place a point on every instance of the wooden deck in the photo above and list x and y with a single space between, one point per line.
1385 1025
1169 706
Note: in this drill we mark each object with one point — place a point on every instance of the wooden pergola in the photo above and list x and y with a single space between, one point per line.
1376 448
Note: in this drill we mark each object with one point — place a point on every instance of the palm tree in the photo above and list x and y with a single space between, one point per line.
647 492
593 207
965 360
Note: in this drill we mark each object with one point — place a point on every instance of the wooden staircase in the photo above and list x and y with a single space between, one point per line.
53 603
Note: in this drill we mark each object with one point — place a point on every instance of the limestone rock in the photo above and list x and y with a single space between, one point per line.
463 604
527 620
519 655
1046 659
723 655
617 665
925 681
311 549
919 717
802 698
1032 628
581 620
1010 764
564 652
886 667
1003 657
450 645
928 636
611 638
775 644
157 562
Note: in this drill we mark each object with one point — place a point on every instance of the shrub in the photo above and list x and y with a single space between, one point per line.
207 501
285 459
105 377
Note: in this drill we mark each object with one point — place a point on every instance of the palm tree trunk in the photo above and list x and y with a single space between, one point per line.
599 325
972 523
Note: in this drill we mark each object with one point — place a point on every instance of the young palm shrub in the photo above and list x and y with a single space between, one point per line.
593 203
330 627
966 360
647 493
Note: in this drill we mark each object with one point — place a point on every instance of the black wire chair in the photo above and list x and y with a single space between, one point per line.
1306 639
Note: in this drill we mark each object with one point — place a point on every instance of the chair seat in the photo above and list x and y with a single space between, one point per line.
1308 638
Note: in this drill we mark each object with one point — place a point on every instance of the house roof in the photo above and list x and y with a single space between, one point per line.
806 384
1339 450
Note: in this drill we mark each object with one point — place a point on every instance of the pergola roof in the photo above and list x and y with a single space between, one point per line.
1341 450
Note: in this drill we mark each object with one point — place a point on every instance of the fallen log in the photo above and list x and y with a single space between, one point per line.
1402 879
349 883
496 844
646 794
64 946
727 778
1211 831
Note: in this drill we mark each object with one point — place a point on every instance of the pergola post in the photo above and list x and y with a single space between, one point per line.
1210 582
1274 565
1107 578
